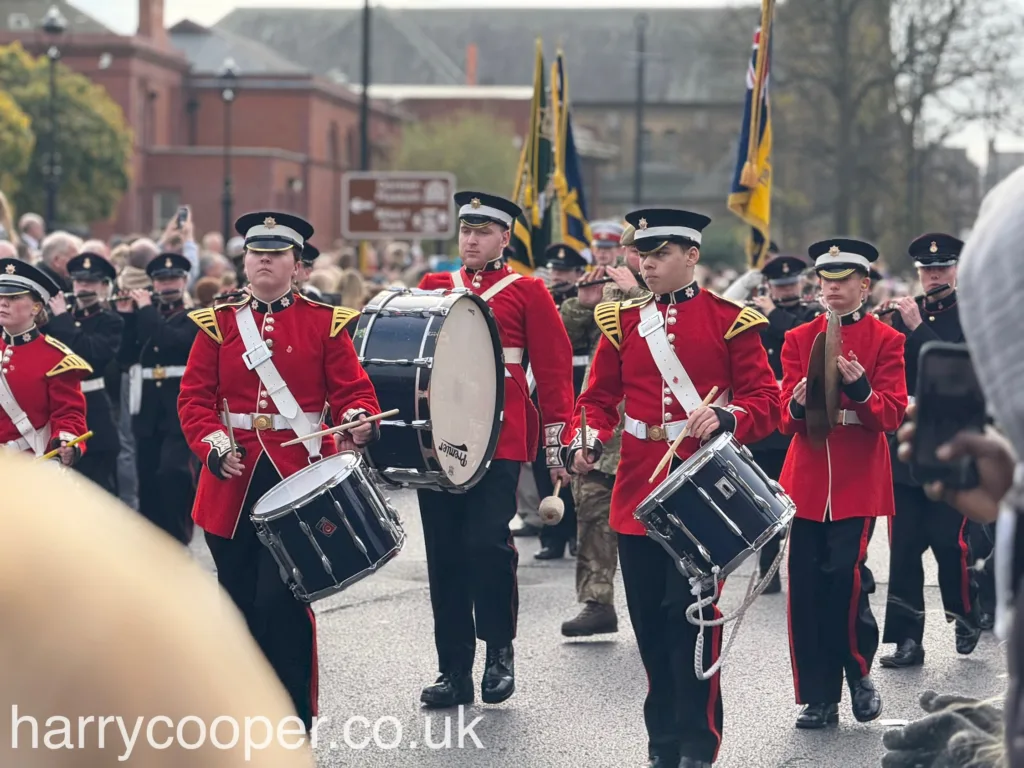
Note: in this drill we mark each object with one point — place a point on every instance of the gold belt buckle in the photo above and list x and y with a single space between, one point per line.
656 433
262 421
159 372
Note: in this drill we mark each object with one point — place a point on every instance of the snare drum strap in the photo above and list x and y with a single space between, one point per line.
259 358
652 328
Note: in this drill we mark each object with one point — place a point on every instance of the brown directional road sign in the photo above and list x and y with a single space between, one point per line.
399 204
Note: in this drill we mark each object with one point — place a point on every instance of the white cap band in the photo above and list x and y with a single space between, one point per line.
278 230
944 263
664 232
24 282
842 259
486 210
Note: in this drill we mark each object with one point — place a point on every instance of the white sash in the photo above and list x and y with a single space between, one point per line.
652 328
258 358
135 389
489 294
35 438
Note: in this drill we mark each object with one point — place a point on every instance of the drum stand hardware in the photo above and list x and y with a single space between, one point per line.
695 613
419 362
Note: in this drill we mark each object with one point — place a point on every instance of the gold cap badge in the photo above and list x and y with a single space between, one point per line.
643 223
934 248
10 269
269 222
87 262
785 269
561 253
168 262
833 251
475 202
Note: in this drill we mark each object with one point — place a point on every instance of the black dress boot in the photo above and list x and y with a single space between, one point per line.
693 762
909 653
551 552
499 680
967 636
594 619
450 690
816 716
865 700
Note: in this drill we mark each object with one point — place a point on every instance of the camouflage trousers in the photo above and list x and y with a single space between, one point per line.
597 555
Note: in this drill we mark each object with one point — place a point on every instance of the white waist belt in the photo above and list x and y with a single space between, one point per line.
164 372
579 361
848 418
94 385
513 356
21 444
264 421
641 431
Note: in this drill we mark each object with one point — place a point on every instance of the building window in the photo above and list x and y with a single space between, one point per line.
649 150
165 205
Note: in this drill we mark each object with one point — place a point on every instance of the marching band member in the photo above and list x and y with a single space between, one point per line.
41 401
155 346
839 490
471 560
92 332
598 551
785 309
920 523
663 353
305 358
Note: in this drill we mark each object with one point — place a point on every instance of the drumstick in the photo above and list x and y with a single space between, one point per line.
231 431
341 428
70 443
583 431
682 435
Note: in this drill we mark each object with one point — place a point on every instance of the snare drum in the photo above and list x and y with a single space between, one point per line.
436 357
328 526
716 509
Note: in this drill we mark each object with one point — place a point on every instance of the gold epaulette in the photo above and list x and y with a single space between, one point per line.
342 317
206 319
747 318
639 301
70 361
606 315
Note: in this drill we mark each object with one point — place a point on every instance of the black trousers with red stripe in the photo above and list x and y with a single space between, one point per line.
471 565
284 627
683 714
831 627
920 524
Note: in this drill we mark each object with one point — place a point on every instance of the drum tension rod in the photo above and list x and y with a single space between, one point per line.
420 362
700 547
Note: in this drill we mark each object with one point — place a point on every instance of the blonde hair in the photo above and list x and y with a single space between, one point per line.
352 288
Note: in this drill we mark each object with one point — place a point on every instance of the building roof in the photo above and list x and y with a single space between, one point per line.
694 55
206 50
26 15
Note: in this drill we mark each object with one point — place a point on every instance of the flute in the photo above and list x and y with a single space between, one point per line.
922 297
562 287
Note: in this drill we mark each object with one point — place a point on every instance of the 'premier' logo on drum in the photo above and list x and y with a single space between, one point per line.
326 527
458 452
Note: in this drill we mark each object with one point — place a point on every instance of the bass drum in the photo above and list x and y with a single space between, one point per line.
435 356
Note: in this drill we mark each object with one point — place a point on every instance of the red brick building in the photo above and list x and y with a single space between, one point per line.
292 134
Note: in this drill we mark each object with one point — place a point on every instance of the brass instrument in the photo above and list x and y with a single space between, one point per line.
922 297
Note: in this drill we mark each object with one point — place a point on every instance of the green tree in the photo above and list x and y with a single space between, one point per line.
479 149
16 144
94 144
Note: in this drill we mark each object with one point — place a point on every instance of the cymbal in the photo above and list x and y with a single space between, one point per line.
833 349
816 406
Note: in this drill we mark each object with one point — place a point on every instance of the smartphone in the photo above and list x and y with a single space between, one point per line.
949 401
182 215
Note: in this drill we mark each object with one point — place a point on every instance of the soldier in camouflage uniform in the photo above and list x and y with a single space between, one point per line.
597 554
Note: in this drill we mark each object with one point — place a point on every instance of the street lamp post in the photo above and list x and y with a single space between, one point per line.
53 25
640 22
228 74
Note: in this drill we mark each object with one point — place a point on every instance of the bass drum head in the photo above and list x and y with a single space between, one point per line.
466 391
304 486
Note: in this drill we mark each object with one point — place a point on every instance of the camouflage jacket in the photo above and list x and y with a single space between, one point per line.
583 332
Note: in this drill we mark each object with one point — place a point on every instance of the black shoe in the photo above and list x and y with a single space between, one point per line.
774 585
450 690
549 552
662 761
967 638
573 547
594 619
986 620
816 716
909 653
692 762
526 530
499 680
865 700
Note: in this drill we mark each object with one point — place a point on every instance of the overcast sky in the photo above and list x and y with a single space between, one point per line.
122 16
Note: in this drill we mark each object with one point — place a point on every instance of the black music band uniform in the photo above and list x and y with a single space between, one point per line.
157 342
920 523
555 538
94 334
770 453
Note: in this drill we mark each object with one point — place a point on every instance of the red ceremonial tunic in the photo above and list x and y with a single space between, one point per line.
45 378
718 343
528 321
314 355
851 476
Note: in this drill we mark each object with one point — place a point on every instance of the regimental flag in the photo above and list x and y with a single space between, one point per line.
531 234
568 180
751 194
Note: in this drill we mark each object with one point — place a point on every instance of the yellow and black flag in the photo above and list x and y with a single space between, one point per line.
531 234
751 194
568 179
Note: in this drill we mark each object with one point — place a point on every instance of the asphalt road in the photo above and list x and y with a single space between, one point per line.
579 703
